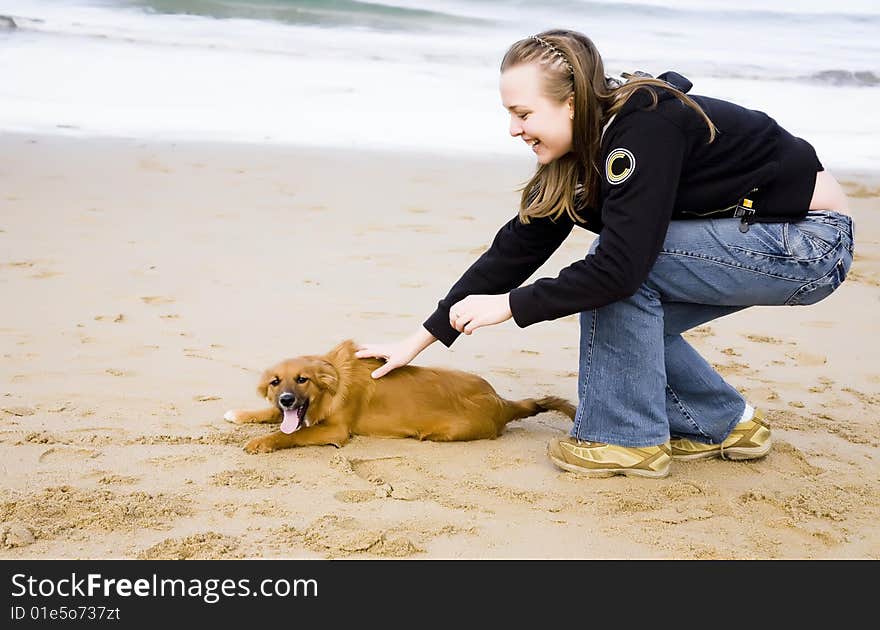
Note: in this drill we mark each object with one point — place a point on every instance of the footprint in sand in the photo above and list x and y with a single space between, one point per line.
727 369
30 264
701 331
566 374
391 476
156 299
116 319
70 455
764 339
344 535
19 411
806 359
20 264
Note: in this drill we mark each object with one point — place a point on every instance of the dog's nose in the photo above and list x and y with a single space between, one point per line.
286 399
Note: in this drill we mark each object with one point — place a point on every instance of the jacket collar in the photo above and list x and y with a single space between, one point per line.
642 99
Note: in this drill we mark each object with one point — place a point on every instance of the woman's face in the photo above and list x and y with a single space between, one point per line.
545 125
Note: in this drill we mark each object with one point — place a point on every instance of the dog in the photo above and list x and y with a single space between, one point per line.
325 399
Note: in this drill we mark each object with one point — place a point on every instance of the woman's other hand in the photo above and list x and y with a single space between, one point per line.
476 311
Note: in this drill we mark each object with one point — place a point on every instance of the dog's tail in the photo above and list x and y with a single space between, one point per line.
532 406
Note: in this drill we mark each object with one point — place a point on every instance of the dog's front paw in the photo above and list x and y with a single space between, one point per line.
263 444
237 416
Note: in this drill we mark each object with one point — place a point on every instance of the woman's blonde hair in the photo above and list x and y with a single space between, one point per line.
573 67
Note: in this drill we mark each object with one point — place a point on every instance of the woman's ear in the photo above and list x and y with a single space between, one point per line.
571 107
327 377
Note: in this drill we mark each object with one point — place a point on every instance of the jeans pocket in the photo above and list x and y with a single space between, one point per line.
817 290
811 239
765 240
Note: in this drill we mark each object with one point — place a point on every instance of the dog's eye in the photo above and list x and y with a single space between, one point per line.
301 379
275 382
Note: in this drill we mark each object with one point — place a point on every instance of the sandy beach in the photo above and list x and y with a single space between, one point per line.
145 287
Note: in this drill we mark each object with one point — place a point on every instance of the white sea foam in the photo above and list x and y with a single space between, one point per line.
110 68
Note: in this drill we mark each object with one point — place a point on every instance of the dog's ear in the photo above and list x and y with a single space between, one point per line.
327 377
265 379
343 351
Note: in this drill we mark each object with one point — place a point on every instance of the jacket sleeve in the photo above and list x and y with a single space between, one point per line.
636 211
517 251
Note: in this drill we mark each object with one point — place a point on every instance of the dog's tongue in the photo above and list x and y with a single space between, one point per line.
290 423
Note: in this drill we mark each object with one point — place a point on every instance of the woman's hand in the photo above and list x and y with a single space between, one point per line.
476 311
395 354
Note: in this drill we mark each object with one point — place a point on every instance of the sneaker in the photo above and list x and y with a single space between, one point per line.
748 440
597 459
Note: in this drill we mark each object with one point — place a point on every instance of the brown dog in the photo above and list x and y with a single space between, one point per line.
327 399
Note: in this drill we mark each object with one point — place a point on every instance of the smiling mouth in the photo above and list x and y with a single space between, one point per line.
294 417
533 143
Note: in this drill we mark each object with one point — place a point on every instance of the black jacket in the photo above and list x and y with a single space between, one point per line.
658 165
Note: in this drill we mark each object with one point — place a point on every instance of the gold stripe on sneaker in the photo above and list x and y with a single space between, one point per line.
757 425
663 453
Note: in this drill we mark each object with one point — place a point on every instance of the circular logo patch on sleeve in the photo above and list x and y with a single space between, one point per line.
619 166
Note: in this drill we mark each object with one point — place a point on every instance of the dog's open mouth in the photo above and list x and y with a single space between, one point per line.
294 417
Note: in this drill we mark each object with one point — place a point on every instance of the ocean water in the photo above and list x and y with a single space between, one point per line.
421 75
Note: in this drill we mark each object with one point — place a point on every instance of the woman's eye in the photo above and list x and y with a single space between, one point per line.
275 382
301 379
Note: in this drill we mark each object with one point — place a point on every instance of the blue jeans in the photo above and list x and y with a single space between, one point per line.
640 382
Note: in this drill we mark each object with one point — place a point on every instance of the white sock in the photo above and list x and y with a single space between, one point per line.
747 414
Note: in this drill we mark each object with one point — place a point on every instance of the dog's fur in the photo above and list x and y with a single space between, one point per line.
415 402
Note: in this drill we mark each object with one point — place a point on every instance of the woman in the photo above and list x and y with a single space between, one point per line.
702 208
